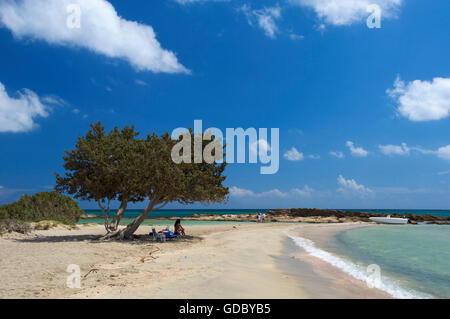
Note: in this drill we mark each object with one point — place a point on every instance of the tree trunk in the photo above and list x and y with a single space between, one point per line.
116 220
105 215
127 232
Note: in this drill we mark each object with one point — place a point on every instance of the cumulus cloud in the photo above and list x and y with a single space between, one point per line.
347 12
293 155
101 30
404 149
237 192
422 100
261 147
240 192
337 154
264 18
306 191
350 186
356 151
444 152
18 114
395 149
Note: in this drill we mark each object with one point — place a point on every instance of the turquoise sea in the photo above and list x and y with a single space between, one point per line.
188 212
406 261
415 259
160 214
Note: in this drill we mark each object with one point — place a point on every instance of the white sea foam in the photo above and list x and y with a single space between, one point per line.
389 285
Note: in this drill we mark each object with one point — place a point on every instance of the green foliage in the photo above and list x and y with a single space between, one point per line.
119 166
43 206
186 183
103 166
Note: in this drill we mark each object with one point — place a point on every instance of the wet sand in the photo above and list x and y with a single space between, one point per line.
318 278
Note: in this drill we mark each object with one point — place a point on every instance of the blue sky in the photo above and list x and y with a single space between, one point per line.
363 113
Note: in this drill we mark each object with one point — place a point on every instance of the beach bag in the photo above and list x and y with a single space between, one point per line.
162 237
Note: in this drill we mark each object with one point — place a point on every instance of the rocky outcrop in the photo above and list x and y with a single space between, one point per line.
310 215
294 213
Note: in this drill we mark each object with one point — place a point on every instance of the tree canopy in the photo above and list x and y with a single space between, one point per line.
120 166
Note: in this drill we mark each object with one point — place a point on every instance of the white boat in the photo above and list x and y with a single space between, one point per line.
389 220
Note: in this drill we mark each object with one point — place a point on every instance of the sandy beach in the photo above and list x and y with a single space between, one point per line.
241 260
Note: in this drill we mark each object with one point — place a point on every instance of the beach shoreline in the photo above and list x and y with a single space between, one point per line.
240 260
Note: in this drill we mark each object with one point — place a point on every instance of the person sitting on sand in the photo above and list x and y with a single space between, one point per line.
178 228
166 230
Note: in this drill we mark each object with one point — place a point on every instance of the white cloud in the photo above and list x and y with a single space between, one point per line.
265 18
19 114
102 31
443 173
352 187
337 154
189 1
293 155
422 150
347 12
237 192
422 100
294 36
395 149
306 191
444 152
198 1
261 145
54 100
240 192
272 193
356 151
141 83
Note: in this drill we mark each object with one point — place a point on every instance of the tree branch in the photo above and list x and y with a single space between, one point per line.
158 208
101 207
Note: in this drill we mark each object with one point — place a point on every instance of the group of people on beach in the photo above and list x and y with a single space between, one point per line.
261 217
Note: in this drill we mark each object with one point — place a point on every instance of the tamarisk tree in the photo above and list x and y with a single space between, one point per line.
119 166
104 167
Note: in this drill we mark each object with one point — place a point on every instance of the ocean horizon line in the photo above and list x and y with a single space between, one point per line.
343 209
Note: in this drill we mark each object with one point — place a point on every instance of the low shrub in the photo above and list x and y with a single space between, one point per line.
11 225
43 206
